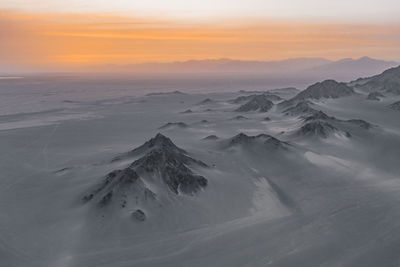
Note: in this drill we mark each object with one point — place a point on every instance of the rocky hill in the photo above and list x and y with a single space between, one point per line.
259 103
325 89
161 162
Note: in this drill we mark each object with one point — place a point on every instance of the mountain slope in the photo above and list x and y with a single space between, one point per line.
388 81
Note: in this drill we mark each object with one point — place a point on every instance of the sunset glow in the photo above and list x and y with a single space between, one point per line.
69 40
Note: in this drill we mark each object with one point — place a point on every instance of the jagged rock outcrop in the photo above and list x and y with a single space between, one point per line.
258 103
170 125
375 96
159 157
188 111
395 105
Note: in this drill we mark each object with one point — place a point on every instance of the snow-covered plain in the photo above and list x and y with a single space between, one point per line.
305 201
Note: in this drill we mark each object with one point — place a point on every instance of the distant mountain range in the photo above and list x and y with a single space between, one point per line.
228 65
296 72
365 66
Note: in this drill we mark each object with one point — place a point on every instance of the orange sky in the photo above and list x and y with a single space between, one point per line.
68 41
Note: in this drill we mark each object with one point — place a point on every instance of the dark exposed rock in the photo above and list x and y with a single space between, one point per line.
321 116
322 120
240 118
106 199
325 89
287 104
116 185
139 215
301 108
171 166
206 101
176 92
273 98
361 123
188 111
259 103
319 129
211 137
388 81
267 119
395 105
264 140
285 91
160 157
158 142
318 115
62 170
242 99
375 96
250 91
174 125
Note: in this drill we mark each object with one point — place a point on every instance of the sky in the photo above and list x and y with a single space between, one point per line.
72 34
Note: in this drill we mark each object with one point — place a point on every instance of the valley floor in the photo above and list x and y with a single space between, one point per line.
319 202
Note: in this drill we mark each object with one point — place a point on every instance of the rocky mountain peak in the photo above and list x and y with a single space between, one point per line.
160 157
